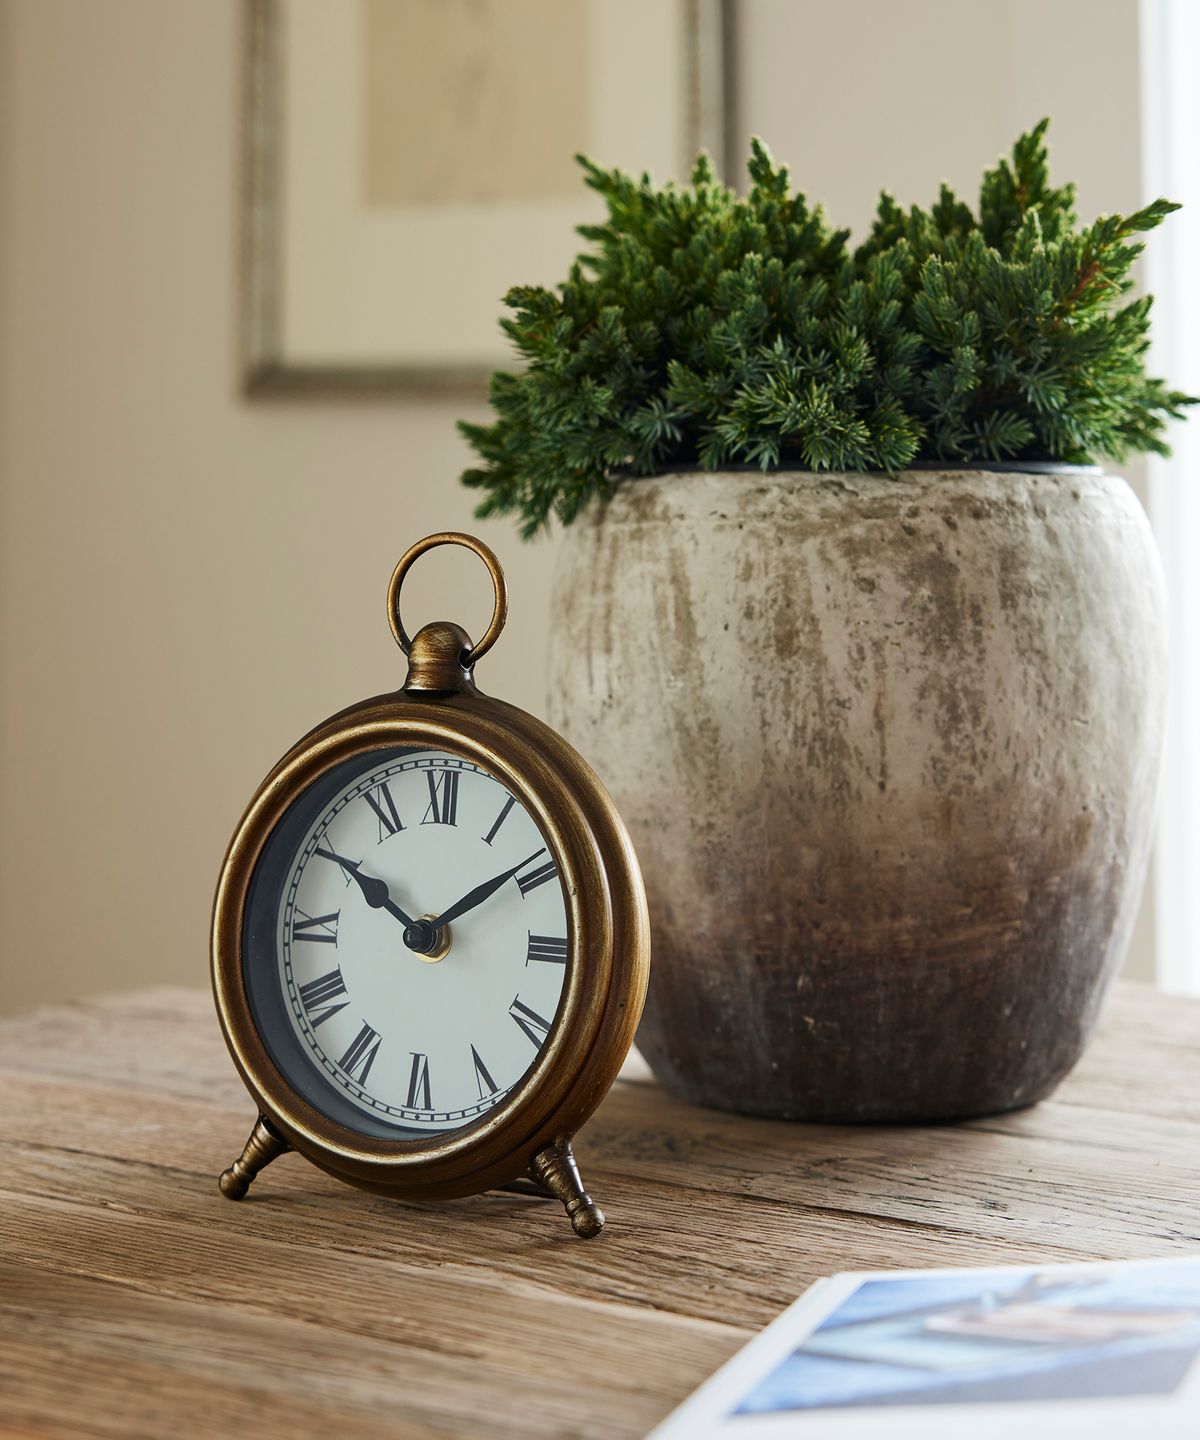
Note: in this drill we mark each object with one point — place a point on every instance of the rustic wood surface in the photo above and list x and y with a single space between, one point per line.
135 1301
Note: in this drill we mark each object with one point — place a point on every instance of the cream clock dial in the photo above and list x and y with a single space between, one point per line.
422 941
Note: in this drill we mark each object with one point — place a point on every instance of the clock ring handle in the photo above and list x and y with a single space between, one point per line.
499 587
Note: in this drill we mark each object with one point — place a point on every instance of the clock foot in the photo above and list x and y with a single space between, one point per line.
556 1170
262 1147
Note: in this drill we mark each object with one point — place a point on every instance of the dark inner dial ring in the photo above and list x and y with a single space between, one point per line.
406 942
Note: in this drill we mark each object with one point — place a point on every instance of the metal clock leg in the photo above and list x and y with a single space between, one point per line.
262 1147
555 1168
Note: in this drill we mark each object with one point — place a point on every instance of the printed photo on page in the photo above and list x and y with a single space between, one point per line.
1095 1350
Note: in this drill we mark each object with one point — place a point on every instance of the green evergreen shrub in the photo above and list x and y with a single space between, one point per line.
704 329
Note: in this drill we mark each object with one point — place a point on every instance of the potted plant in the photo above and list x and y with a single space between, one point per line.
866 646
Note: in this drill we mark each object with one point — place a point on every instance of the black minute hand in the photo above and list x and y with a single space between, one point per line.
481 892
375 892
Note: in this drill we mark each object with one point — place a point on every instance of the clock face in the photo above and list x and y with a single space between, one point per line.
406 943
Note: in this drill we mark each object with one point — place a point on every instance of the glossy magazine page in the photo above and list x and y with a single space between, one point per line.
1095 1350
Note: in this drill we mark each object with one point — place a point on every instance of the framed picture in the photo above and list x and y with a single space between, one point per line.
407 161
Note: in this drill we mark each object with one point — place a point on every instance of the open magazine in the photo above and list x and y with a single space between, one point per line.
1103 1351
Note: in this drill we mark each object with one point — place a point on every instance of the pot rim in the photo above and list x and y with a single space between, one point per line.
937 467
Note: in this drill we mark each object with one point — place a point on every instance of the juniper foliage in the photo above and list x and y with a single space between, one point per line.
703 328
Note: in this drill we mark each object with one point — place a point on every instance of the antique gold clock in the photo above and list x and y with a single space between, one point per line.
430 944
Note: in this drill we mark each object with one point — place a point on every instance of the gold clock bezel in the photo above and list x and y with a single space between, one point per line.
608 944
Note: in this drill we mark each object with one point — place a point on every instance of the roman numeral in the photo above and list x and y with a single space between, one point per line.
443 798
547 947
321 928
320 992
418 1084
385 810
530 1021
533 878
362 1052
500 819
487 1086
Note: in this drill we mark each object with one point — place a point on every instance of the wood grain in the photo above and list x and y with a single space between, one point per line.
135 1301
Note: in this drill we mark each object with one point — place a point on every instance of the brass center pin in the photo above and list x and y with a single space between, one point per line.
441 949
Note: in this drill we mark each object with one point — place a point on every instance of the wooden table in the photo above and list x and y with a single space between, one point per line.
135 1301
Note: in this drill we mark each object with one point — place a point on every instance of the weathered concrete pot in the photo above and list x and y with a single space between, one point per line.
889 752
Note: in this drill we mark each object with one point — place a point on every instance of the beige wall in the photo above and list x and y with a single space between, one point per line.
916 91
187 582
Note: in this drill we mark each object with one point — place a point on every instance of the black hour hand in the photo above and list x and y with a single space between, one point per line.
375 891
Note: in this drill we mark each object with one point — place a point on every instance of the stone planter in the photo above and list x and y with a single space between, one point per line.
888 750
